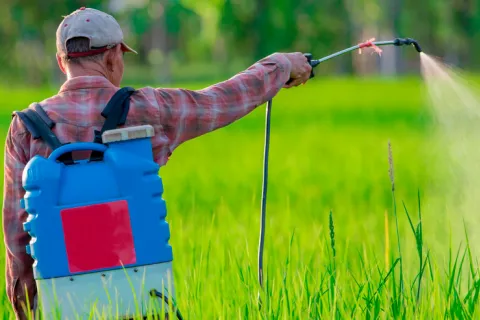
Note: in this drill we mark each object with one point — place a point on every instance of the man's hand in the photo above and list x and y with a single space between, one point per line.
301 69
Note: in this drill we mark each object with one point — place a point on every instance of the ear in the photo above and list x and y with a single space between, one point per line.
60 64
111 57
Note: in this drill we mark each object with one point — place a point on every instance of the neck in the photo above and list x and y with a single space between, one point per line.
74 71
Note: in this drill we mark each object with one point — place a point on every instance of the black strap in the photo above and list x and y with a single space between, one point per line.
40 126
115 114
49 122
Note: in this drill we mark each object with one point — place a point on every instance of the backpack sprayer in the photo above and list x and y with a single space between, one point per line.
98 229
313 63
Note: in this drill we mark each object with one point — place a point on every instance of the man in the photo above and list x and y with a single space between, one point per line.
90 50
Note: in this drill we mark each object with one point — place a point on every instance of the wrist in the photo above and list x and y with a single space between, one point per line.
284 63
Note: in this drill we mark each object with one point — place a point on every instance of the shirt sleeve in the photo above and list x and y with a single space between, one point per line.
19 272
186 114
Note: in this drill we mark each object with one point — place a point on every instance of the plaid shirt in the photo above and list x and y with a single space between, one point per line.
176 115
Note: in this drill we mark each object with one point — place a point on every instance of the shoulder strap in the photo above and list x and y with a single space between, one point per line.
115 114
39 125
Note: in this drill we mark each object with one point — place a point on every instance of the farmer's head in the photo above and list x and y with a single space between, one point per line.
90 42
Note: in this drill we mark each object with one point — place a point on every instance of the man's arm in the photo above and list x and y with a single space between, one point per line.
186 114
18 264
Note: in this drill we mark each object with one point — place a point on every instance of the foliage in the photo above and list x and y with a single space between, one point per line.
186 32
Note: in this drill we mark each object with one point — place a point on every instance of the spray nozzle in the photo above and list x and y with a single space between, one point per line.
407 41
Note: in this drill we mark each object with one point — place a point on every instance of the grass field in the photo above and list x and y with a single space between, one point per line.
329 163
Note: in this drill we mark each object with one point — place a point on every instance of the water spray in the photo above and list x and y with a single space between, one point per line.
313 62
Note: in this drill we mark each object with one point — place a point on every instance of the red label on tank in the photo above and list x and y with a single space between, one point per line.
98 236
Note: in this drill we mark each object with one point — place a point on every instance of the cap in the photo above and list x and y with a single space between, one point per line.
128 133
101 28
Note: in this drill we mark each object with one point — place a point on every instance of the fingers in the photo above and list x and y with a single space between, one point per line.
301 69
301 78
294 83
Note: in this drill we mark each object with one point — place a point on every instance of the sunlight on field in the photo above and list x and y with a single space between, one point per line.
329 151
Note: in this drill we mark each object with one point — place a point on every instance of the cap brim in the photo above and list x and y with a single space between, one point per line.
126 48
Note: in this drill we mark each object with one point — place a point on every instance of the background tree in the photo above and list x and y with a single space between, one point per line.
187 39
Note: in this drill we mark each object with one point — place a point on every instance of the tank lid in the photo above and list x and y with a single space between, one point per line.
128 133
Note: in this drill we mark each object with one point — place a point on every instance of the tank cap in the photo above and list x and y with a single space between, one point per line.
129 133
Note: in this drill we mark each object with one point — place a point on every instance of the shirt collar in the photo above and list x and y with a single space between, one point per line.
86 82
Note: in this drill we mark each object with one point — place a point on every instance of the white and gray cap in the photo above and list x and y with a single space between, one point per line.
101 28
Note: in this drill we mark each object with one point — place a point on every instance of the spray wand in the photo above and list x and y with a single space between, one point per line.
367 44
370 43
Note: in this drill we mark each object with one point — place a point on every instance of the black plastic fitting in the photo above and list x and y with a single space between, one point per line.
407 41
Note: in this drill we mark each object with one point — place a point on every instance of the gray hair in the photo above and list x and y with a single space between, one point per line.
80 44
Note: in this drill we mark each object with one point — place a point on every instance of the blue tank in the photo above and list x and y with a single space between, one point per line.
95 217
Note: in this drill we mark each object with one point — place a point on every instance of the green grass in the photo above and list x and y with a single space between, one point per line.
329 188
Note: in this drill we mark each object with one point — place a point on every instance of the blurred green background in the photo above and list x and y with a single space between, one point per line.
188 40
